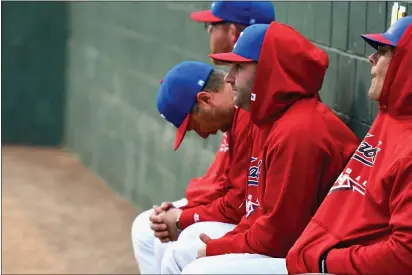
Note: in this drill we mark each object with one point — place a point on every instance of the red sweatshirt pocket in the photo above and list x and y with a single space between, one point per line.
305 254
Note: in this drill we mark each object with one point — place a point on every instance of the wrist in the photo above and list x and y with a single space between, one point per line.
178 227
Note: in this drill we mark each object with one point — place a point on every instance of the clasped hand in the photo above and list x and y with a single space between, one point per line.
163 222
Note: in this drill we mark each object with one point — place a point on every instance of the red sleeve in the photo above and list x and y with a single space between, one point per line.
212 185
290 178
227 208
391 256
224 209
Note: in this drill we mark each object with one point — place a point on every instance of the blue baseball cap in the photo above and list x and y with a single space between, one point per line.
392 36
240 12
177 94
247 47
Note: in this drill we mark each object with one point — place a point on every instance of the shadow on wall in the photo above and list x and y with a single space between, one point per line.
34 38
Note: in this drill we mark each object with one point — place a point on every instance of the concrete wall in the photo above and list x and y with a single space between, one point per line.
117 55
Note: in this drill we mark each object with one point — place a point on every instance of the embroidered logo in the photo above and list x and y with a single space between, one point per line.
251 206
345 182
254 171
366 152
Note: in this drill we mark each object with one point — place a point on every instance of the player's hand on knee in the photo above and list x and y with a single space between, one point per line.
170 218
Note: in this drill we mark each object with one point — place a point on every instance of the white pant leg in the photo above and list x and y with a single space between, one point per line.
145 244
184 250
237 264
159 251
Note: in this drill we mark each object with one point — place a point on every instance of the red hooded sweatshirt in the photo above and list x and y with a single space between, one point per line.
365 221
299 147
226 207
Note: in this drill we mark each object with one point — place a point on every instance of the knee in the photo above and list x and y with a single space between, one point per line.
141 231
192 232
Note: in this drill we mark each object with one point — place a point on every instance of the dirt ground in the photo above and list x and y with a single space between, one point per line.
59 218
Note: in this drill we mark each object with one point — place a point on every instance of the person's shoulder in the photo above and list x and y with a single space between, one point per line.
305 123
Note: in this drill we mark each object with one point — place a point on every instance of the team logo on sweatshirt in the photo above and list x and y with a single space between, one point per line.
251 206
366 152
346 182
254 171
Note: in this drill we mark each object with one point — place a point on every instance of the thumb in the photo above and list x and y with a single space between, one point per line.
204 238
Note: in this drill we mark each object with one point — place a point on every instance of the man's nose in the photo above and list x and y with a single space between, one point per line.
229 78
373 58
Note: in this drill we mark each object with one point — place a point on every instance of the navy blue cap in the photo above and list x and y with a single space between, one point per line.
177 93
392 36
247 47
241 12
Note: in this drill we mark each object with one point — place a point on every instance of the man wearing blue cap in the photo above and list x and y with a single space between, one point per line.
194 96
227 19
299 146
364 224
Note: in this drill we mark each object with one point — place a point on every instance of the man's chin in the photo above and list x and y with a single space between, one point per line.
241 106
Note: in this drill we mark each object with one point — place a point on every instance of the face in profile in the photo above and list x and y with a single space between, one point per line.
241 77
221 38
380 61
213 112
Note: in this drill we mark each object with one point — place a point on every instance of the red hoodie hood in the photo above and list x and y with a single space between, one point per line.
290 67
396 96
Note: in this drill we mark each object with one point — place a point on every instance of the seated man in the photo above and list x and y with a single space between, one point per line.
364 224
299 146
224 22
194 96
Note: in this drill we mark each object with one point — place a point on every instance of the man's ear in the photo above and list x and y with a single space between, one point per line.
234 33
203 98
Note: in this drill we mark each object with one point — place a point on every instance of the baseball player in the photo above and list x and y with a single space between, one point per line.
364 224
299 146
224 23
227 19
200 191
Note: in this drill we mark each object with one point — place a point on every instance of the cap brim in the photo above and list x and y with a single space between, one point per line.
205 16
181 132
377 39
229 57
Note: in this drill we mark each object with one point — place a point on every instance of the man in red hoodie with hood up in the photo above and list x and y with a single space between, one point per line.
224 22
364 225
299 146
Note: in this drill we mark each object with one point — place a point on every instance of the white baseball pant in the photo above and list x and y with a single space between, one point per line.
184 251
148 250
237 264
